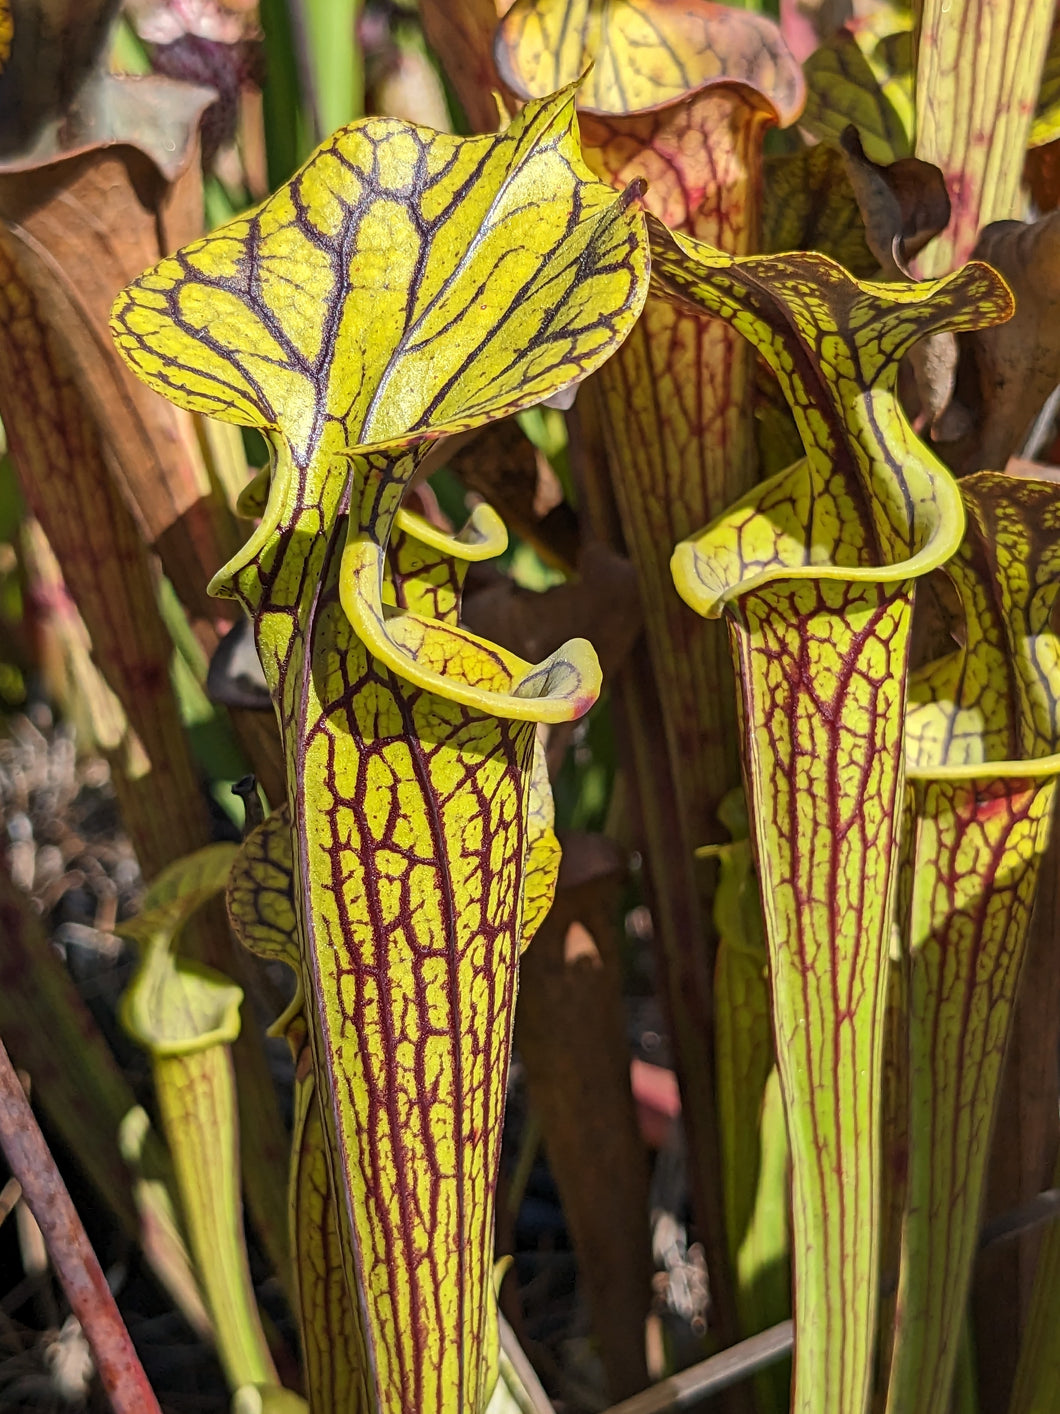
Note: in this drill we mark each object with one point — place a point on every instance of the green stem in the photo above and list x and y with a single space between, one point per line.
197 1102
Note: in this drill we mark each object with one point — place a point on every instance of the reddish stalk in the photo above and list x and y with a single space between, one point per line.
71 1253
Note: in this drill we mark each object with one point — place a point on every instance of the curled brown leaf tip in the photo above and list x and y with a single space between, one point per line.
904 204
636 189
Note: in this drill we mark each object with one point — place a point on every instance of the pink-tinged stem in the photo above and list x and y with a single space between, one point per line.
71 1253
979 65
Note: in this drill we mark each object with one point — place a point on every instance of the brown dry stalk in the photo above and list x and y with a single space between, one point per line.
71 1253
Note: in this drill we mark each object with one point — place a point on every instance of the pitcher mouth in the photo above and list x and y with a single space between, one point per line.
456 664
938 534
438 657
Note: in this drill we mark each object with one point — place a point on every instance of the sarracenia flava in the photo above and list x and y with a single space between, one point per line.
982 732
815 571
187 1016
424 571
403 286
